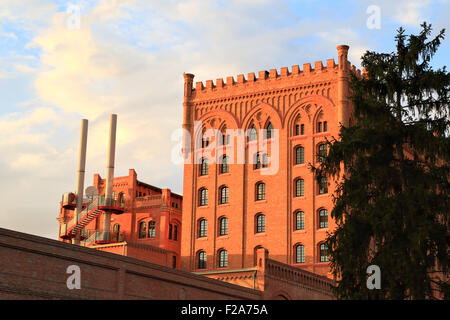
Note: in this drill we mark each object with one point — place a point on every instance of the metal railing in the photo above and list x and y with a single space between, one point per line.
102 236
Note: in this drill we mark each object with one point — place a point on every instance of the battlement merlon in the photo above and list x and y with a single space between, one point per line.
270 77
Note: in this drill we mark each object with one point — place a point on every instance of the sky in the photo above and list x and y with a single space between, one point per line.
63 61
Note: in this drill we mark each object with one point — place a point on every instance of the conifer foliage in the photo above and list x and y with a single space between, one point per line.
392 198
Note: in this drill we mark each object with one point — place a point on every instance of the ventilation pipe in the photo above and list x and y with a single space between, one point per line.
110 174
80 176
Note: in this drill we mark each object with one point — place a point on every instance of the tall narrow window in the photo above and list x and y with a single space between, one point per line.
323 218
299 220
323 248
299 188
302 129
323 185
223 195
175 232
299 155
204 167
203 197
202 260
300 253
142 229
170 231
205 141
297 129
223 226
325 126
174 261
319 127
265 160
224 168
322 152
260 191
202 228
151 229
252 135
269 131
260 223
223 258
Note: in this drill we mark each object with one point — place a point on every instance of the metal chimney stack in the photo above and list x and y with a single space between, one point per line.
110 173
80 176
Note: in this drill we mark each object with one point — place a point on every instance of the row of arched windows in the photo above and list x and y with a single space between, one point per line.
299 256
260 191
299 253
321 126
260 223
222 259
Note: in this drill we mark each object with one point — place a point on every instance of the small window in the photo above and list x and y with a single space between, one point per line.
302 129
204 167
170 231
151 229
269 131
299 188
142 229
299 155
203 197
323 218
297 129
323 248
319 127
325 126
322 152
299 220
224 195
323 185
202 260
252 135
225 168
260 223
223 226
260 191
202 228
174 261
223 258
300 254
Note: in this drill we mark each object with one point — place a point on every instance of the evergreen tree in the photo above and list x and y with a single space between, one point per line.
392 172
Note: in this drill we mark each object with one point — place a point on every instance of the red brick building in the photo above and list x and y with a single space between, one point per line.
148 226
273 201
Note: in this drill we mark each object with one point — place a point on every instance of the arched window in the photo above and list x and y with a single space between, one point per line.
204 167
299 155
260 191
175 232
299 253
116 228
201 263
224 195
323 252
223 258
260 223
122 198
253 134
151 229
299 220
224 168
322 152
142 229
202 228
323 185
225 138
299 187
203 197
116 232
323 218
223 226
205 139
269 131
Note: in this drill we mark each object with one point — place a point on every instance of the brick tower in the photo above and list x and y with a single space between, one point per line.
247 183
